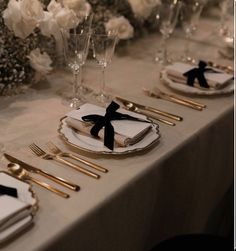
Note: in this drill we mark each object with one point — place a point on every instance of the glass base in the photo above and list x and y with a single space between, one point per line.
74 103
188 59
161 60
102 98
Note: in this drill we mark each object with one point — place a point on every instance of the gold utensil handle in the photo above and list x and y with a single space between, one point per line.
167 122
177 101
166 114
59 180
78 168
86 162
50 188
188 101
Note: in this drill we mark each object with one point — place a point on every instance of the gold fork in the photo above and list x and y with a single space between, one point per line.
41 153
56 150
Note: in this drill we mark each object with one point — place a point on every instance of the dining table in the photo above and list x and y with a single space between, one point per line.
172 188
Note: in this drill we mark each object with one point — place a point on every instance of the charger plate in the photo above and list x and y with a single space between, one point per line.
89 144
227 89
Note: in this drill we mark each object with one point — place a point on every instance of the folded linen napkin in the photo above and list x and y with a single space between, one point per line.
215 80
14 229
127 132
12 210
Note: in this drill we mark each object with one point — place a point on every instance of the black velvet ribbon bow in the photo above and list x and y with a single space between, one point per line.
105 121
4 190
199 74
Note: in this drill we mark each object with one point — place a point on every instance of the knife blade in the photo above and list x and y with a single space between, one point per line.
33 169
150 109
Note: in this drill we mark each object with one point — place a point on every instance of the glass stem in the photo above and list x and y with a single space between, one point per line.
164 51
186 51
75 83
102 90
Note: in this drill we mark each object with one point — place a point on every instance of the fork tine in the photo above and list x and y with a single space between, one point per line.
37 150
52 147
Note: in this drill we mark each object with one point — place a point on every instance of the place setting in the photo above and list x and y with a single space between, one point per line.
66 151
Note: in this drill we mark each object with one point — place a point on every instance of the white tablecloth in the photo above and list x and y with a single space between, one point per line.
173 188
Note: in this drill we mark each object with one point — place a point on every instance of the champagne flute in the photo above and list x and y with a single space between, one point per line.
167 16
75 45
227 21
85 25
103 50
190 14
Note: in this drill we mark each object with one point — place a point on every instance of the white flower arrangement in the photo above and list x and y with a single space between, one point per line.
24 17
143 8
40 62
121 26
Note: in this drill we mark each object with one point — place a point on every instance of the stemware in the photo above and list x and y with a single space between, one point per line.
227 20
190 14
75 45
167 16
85 25
103 50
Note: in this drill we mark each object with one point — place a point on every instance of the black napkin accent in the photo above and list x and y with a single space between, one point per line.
11 191
199 74
105 121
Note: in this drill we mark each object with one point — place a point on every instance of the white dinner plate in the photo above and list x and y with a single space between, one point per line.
24 190
93 145
229 88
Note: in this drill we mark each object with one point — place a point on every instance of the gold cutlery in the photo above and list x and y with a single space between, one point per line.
54 149
42 154
21 173
130 107
157 93
150 109
33 169
130 104
226 68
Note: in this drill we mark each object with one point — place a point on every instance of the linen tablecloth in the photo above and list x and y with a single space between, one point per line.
173 188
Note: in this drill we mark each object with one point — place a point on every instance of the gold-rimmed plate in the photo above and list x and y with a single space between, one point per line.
24 190
227 89
86 143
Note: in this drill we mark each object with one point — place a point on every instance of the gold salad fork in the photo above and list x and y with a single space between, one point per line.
42 154
57 151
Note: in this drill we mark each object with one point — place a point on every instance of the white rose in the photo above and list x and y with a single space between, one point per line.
67 18
31 10
49 26
81 7
12 10
54 7
22 16
143 8
121 26
41 62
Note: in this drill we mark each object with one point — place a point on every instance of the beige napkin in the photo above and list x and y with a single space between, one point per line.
12 210
127 132
215 80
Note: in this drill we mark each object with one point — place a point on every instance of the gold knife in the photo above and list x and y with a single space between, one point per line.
33 169
150 109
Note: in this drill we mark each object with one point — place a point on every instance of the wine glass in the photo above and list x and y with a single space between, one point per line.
75 47
103 49
190 14
85 25
167 16
227 20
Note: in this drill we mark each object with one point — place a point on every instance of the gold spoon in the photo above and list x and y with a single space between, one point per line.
131 107
21 173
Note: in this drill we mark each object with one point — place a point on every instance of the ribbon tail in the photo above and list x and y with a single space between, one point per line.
109 135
